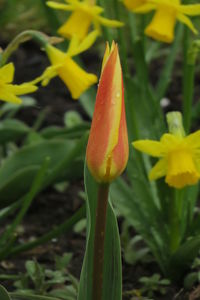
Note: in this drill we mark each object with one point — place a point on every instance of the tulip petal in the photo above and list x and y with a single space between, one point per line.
106 156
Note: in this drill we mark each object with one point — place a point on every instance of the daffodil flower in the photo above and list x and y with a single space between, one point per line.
179 158
9 92
167 13
75 78
84 13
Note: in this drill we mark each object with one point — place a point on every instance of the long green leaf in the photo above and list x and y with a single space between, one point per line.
112 280
3 294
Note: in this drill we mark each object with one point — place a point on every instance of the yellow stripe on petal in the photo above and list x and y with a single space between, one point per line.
7 73
149 147
185 20
190 10
159 170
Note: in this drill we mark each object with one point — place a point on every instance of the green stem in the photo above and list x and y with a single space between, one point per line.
165 76
122 39
56 232
106 31
100 229
24 36
188 78
175 218
188 92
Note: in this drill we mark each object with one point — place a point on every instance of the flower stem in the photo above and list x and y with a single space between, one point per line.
99 238
41 38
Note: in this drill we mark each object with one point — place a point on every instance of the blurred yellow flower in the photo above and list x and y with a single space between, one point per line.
167 13
84 13
179 158
9 91
75 78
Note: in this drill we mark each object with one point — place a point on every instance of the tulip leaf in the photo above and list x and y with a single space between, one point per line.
18 170
112 280
3 294
11 130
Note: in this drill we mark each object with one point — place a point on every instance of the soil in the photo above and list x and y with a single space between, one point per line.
51 207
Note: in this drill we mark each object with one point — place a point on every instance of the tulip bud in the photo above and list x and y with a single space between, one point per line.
107 149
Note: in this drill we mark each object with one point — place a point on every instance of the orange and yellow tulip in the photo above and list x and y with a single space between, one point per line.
107 149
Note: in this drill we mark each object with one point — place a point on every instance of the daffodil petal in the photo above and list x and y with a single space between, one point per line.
8 96
77 24
185 20
76 47
149 147
145 8
193 140
190 10
60 6
24 88
159 170
109 23
7 73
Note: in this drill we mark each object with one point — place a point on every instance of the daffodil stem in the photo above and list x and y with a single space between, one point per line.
122 39
100 229
24 36
188 83
175 217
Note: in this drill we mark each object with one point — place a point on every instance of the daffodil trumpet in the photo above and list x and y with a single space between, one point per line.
167 13
179 155
75 78
84 14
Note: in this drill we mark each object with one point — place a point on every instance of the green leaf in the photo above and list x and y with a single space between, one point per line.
72 118
183 258
11 130
18 171
3 294
112 280
19 296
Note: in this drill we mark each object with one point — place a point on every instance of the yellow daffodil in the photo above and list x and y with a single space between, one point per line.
9 91
75 78
179 158
84 13
167 13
